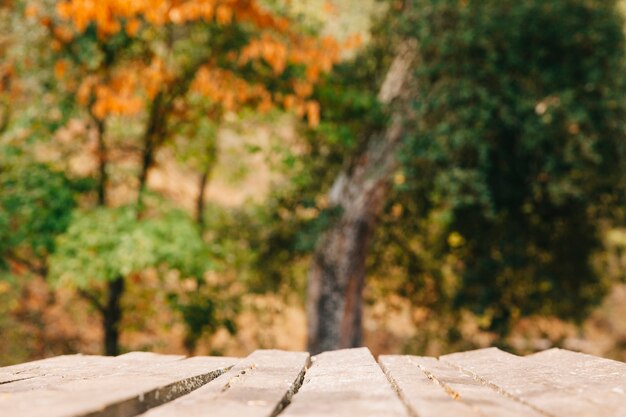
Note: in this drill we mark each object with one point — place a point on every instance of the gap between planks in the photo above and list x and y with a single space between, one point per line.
431 388
556 383
260 385
344 383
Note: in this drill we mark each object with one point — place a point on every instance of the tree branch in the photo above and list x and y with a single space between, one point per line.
93 299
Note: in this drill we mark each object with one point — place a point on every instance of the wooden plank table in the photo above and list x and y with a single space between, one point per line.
344 383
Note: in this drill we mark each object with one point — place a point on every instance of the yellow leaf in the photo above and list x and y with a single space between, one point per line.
455 240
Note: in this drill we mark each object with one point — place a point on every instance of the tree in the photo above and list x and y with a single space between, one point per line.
104 244
337 277
160 64
513 150
523 123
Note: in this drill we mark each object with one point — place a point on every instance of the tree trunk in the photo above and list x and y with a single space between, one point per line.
111 312
204 180
337 276
112 315
155 132
102 163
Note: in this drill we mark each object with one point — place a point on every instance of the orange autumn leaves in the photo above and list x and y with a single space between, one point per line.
106 14
120 92
116 97
127 90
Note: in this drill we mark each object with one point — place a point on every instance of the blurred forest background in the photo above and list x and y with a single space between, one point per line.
195 176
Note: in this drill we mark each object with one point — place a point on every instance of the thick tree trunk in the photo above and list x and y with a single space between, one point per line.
337 276
112 315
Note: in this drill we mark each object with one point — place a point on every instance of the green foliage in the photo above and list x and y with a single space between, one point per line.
205 310
105 244
521 128
25 51
35 206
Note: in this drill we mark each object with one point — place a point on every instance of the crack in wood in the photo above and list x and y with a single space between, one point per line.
447 388
497 388
237 378
293 390
397 390
16 380
156 397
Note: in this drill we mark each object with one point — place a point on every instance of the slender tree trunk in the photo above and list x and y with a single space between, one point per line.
102 163
337 276
155 130
5 115
157 127
111 311
112 316
204 180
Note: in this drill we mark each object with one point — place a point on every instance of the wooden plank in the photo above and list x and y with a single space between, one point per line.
14 373
605 373
38 363
477 395
11 377
550 389
109 386
63 369
48 363
432 388
148 356
49 372
345 383
258 386
421 394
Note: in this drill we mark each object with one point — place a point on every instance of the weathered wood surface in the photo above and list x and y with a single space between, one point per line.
269 383
551 387
431 388
606 373
104 386
345 383
50 372
258 386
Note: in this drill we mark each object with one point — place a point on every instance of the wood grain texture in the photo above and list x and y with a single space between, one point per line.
105 386
422 395
345 383
553 388
432 388
258 386
50 372
605 373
